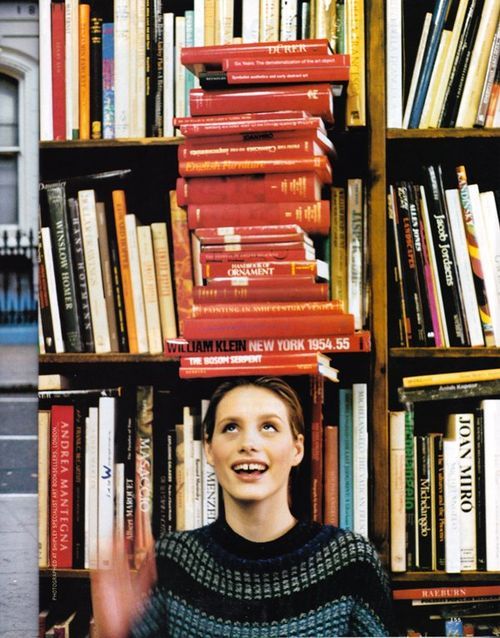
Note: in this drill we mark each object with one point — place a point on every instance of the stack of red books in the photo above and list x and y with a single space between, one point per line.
252 169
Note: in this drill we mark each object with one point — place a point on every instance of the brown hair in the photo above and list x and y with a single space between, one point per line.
274 384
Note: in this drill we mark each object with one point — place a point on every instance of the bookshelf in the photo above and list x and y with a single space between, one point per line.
377 152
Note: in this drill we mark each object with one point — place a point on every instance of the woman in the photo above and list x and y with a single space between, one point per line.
258 572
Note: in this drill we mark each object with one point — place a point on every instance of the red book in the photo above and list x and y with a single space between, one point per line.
266 253
337 60
207 168
235 294
316 485
267 309
62 425
58 71
239 371
227 126
247 247
456 591
270 188
282 76
198 59
257 359
245 142
226 235
304 146
251 327
285 281
313 217
182 261
348 342
241 117
316 99
316 268
331 472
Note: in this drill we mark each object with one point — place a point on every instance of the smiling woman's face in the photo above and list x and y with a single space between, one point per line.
253 448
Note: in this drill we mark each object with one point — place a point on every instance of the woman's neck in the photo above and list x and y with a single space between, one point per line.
258 523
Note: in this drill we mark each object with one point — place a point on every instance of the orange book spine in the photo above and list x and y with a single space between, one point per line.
258 268
257 359
182 261
331 487
257 370
84 70
237 294
300 147
120 210
268 308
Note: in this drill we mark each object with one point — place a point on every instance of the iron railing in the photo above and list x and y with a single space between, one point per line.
18 263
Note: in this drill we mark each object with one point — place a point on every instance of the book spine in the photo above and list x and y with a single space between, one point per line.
247 293
358 342
168 74
182 261
96 73
180 516
164 280
45 55
180 105
107 276
247 150
91 487
108 81
479 457
265 359
465 433
135 276
88 217
250 21
80 273
43 464
275 309
117 287
302 74
346 512
316 485
261 269
360 457
58 71
410 487
148 276
52 290
489 81
397 488
354 256
221 371
450 391
44 311
64 268
460 591
452 504
438 508
72 69
120 211
80 412
188 465
355 46
143 473
331 487
423 526
338 245
446 259
313 217
84 71
315 98
248 256
158 124
491 416
394 64
121 67
465 376
106 463
61 482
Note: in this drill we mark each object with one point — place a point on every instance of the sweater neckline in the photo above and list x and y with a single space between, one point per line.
292 540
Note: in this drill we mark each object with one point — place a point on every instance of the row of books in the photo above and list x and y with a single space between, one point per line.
444 503
130 459
105 280
114 70
445 244
454 69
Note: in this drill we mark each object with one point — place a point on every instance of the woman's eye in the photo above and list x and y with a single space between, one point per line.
229 427
269 427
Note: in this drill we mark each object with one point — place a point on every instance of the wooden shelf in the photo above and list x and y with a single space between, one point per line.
115 143
443 577
440 133
443 353
110 357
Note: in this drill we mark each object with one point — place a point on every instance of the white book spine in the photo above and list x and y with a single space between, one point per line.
478 64
164 280
416 69
288 20
122 65
45 53
269 20
199 23
250 20
148 276
486 258
119 500
43 486
225 21
491 419
41 338
91 482
168 74
451 505
198 484
132 76
70 55
491 225
397 488
464 268
52 289
360 452
88 218
106 491
140 71
355 250
188 427
180 71
431 95
210 485
135 275
394 64
468 547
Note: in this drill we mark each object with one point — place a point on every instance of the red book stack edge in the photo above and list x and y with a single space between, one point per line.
252 169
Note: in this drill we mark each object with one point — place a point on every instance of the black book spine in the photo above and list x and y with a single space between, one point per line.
213 80
445 256
158 126
450 391
118 295
423 503
80 273
64 267
409 266
410 486
81 411
171 486
96 21
44 303
397 290
480 490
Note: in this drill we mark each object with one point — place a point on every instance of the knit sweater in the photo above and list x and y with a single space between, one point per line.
316 580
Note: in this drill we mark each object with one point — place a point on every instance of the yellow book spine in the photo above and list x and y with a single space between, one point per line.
467 376
84 71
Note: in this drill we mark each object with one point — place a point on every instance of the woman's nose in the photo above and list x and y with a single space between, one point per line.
248 441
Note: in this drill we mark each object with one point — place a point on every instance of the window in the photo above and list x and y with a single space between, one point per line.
9 149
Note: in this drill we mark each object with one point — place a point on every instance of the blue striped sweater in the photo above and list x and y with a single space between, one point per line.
316 580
